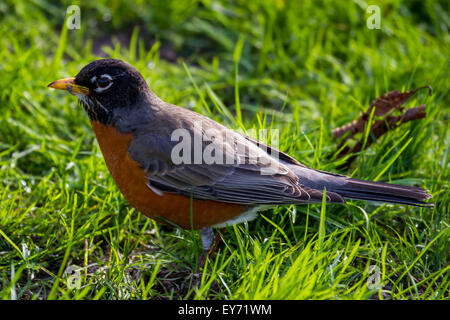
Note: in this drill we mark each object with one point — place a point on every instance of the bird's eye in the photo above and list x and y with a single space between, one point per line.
103 82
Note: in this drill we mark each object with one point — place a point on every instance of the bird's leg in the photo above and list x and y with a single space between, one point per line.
209 244
207 238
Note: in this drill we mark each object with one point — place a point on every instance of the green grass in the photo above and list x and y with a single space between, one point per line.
301 67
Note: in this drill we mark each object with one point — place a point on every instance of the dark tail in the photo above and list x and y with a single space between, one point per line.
385 192
350 188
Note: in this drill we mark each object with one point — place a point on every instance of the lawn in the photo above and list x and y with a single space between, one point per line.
301 67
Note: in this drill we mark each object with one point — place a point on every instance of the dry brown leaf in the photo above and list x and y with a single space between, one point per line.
384 106
387 102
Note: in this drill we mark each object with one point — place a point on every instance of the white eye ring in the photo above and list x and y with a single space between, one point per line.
99 89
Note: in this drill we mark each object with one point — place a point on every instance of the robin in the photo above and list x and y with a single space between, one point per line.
212 177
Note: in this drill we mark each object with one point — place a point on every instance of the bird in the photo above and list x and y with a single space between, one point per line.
213 177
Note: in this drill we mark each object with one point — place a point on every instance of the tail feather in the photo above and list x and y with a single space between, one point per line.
350 188
385 192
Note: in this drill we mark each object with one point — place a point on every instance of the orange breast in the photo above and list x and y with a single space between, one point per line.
132 182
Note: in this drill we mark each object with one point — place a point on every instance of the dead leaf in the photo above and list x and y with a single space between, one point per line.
387 102
384 106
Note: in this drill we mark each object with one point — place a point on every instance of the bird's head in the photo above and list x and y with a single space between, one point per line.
105 87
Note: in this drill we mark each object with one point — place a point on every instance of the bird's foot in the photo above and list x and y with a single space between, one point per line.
209 244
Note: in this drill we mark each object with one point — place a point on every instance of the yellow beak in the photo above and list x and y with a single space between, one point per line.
69 85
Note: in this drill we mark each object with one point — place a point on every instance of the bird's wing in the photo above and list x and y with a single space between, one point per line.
247 174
